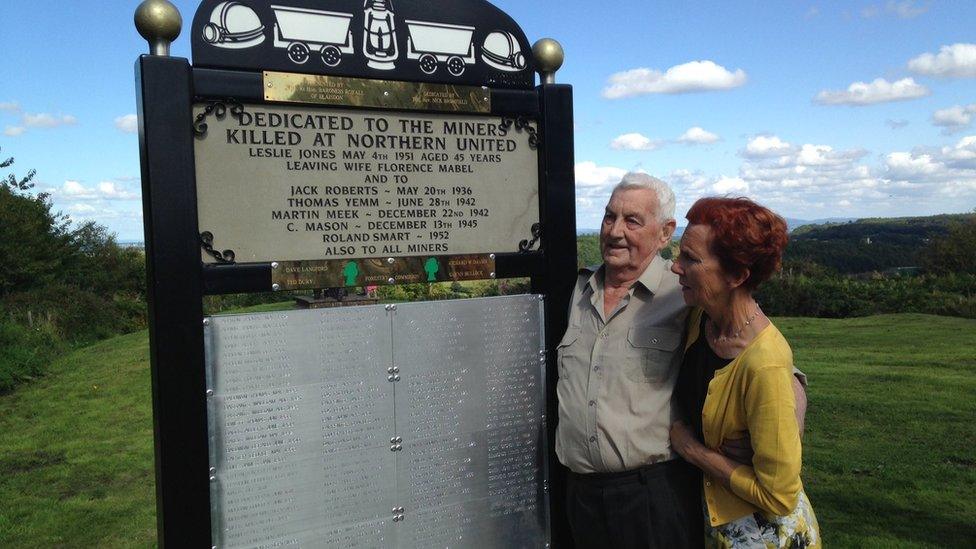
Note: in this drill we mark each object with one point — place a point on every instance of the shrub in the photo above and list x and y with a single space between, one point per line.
25 351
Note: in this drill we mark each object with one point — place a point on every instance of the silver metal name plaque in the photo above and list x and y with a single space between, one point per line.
416 425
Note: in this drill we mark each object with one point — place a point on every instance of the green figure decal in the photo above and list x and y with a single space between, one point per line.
431 268
351 271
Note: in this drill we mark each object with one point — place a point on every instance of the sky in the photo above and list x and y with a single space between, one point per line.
817 109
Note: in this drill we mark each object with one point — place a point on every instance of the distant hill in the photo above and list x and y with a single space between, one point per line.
873 244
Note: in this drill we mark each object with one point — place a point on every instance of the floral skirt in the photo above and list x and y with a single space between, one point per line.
798 530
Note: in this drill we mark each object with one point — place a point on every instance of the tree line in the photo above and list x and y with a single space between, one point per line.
60 284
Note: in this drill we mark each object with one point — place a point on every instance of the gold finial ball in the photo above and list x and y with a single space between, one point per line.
548 55
158 20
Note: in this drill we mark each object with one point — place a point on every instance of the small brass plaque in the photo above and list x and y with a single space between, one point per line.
360 92
339 273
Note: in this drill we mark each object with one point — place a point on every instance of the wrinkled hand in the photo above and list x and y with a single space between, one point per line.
683 440
738 449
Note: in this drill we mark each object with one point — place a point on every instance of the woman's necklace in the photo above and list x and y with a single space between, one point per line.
723 338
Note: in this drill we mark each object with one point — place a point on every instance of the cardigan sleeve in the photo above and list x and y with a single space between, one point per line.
773 482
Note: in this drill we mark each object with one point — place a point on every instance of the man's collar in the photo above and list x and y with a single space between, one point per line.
650 278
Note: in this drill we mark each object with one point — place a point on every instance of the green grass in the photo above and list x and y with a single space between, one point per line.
76 457
890 448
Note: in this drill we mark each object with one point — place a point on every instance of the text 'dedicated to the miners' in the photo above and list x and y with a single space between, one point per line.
289 183
381 444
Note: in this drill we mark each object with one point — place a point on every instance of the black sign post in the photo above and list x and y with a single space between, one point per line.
434 45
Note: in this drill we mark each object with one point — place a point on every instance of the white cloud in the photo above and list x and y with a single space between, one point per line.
81 209
813 12
9 106
729 185
766 146
904 9
955 118
634 142
896 124
878 91
14 131
45 120
698 136
955 61
127 124
105 190
689 77
589 175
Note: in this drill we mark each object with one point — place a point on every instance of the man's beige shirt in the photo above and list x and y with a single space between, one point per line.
616 373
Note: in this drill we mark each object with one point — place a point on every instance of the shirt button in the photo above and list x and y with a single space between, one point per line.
654 340
592 403
592 439
596 368
708 483
714 520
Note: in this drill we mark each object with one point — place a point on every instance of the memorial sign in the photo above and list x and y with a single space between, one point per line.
289 183
322 144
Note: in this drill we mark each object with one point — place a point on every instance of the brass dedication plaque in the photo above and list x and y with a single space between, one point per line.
291 184
359 92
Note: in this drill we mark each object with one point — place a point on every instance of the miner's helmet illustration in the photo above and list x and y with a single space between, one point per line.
502 51
233 25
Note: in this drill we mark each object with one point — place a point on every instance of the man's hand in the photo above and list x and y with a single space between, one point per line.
683 440
740 449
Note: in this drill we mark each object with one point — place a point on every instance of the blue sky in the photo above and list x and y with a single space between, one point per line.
817 109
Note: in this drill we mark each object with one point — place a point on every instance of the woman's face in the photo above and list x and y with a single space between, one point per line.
703 282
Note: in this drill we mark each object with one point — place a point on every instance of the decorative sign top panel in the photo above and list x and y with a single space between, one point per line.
469 42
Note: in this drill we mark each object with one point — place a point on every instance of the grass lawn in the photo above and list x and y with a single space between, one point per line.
890 448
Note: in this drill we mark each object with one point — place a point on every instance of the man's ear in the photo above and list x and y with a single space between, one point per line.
668 230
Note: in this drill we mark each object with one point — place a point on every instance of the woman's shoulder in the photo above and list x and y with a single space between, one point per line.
769 350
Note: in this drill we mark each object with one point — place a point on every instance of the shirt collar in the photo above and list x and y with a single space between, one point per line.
650 279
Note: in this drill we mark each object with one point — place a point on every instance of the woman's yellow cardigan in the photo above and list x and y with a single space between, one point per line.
753 395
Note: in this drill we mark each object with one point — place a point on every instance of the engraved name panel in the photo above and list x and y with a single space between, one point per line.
470 407
301 417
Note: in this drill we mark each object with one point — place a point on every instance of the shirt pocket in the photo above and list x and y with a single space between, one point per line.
567 350
649 354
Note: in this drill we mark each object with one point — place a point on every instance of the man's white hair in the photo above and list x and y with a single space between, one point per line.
665 196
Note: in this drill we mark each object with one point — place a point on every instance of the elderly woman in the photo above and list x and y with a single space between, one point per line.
736 380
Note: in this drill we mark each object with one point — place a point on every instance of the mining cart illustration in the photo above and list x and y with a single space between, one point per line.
433 43
302 31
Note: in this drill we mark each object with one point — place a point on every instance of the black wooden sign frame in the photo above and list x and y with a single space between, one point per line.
167 88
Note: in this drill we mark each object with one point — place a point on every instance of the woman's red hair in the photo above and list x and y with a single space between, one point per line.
747 236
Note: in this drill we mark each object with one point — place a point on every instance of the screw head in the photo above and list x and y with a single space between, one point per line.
392 280
274 264
492 275
276 287
210 392
206 322
390 260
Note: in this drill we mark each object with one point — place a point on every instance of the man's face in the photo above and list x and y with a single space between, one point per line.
631 234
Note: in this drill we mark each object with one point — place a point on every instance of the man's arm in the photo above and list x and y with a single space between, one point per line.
740 449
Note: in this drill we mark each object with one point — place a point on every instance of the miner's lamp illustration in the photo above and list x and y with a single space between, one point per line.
379 34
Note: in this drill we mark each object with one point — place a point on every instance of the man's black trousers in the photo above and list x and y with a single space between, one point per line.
656 506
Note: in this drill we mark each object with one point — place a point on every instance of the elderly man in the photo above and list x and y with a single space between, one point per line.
618 364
